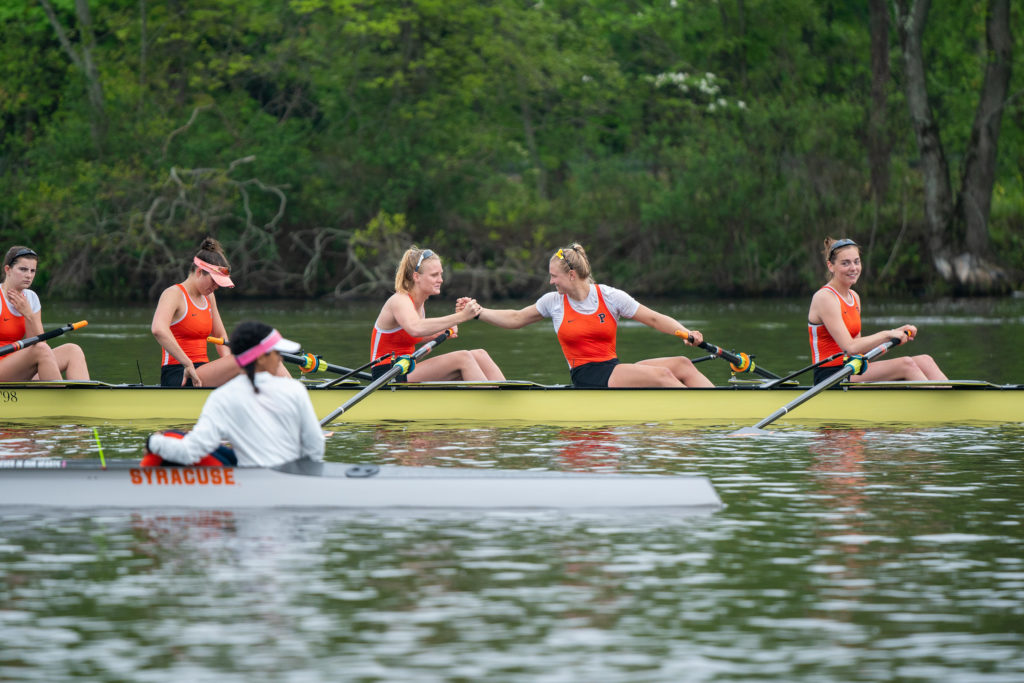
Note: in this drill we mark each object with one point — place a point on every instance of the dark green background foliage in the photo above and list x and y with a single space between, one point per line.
691 146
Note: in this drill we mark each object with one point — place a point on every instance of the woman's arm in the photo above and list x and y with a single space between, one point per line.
509 319
166 311
825 307
408 318
204 438
663 323
33 319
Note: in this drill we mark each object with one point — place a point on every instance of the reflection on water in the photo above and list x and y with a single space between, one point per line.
841 555
589 450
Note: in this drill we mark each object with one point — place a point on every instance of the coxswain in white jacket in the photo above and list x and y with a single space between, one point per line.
268 420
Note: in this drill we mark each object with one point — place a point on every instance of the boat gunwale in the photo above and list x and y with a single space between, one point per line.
959 385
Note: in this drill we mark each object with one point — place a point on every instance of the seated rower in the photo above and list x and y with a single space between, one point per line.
187 315
585 317
402 323
21 317
268 419
834 325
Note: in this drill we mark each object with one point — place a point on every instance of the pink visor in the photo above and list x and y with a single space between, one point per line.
272 342
218 273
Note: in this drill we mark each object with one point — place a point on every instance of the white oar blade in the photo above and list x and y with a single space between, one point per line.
751 431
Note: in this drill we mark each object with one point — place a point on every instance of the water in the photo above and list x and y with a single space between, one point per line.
842 554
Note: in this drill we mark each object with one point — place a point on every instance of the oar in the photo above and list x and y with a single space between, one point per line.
739 363
400 367
357 372
856 364
307 362
15 346
776 382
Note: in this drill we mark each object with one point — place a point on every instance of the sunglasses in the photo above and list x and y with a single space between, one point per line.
426 253
20 253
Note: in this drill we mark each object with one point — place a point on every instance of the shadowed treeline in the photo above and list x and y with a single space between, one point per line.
690 146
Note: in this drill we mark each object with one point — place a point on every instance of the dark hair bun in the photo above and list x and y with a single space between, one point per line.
210 244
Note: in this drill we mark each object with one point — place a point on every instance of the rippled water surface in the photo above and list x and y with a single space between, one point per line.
842 554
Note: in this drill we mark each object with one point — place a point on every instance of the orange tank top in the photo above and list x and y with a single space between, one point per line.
12 327
396 341
587 338
191 330
822 343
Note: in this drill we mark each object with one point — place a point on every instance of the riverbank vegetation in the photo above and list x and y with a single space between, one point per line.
691 146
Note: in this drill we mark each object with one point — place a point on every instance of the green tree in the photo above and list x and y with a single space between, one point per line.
958 224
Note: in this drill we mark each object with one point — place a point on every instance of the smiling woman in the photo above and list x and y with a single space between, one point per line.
21 316
833 324
585 316
402 323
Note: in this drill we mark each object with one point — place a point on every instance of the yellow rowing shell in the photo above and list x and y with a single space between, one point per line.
489 403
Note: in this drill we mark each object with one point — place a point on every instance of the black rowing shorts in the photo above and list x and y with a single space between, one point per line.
821 374
593 375
380 370
171 375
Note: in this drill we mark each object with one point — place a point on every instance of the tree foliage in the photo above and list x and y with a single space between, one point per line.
691 146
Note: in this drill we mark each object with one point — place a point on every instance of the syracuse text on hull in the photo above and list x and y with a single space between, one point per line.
47 483
956 402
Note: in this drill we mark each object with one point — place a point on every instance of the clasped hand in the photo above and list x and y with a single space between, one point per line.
465 303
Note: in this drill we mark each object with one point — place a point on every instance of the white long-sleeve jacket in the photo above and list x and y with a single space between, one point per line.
269 428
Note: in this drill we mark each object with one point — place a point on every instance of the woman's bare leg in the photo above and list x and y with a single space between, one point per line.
929 367
891 370
71 361
33 363
457 365
643 375
487 365
682 368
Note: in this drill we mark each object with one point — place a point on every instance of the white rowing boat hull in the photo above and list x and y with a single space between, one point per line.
82 484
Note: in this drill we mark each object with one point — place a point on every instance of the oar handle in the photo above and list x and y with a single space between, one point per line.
777 382
739 363
401 366
29 341
345 373
307 362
